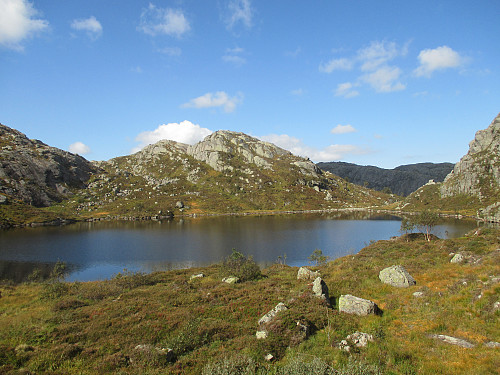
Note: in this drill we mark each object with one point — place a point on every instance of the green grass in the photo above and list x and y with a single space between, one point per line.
94 327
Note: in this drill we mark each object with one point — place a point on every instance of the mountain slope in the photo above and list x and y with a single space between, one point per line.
38 174
401 180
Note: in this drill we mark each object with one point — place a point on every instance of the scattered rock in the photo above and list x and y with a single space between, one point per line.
320 289
396 276
465 257
355 305
261 335
271 314
496 306
306 274
198 276
418 294
269 357
492 344
231 280
457 258
453 341
358 339
3 199
179 204
166 355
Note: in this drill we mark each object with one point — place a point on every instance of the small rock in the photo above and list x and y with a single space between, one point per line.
271 314
418 294
179 204
492 344
167 354
457 258
269 357
320 289
453 341
24 348
358 339
355 305
198 276
496 306
231 280
306 274
3 199
396 276
261 335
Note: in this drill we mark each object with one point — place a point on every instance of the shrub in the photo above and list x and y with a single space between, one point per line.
241 266
318 258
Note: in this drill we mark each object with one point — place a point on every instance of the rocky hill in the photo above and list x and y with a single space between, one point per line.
226 172
477 174
401 180
38 174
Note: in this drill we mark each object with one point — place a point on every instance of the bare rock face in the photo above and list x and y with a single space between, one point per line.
36 173
478 172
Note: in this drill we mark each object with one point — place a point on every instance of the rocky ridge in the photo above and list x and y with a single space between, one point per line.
36 173
478 172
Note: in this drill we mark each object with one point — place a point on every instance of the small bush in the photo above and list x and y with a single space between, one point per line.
298 366
241 266
318 258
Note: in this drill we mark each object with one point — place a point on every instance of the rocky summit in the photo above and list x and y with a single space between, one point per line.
38 174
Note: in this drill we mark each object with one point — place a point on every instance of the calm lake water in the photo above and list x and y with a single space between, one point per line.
100 250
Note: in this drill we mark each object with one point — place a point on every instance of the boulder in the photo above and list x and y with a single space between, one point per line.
306 274
457 258
355 305
271 314
231 280
396 276
320 289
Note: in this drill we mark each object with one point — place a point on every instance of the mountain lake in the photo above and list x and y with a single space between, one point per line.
100 250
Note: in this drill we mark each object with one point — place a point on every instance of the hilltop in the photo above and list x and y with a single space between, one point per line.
402 180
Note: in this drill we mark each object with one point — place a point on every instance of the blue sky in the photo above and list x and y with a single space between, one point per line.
379 83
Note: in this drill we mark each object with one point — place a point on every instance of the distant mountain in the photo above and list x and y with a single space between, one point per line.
401 180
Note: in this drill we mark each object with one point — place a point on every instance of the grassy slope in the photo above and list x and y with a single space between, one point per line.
93 327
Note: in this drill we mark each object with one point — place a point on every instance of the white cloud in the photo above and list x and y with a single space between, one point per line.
156 21
233 56
336 64
297 147
437 59
90 25
18 22
217 99
297 92
184 132
379 53
343 129
346 90
239 11
79 148
384 79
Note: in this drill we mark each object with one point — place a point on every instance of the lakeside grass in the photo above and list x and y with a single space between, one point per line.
94 327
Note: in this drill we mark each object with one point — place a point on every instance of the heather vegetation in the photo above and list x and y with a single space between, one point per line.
127 324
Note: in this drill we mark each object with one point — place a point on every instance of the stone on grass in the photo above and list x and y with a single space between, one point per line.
166 354
261 334
492 344
358 339
198 276
418 294
396 276
231 280
320 289
306 274
453 341
355 305
269 357
271 314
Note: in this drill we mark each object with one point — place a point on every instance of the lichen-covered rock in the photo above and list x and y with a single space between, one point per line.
231 280
320 289
453 341
355 305
306 274
269 316
357 339
396 276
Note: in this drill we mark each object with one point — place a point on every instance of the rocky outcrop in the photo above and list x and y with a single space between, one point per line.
36 173
396 276
478 172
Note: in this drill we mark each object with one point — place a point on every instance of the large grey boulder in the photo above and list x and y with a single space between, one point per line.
320 289
396 276
355 305
306 274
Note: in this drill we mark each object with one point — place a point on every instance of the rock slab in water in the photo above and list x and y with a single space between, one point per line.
355 305
306 274
396 276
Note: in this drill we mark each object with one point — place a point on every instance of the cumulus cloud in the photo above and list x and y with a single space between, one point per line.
437 59
239 11
343 129
79 148
346 90
17 22
379 53
157 21
217 99
384 79
90 25
183 132
297 147
336 64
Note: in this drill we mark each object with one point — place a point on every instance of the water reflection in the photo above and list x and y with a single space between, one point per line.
102 249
